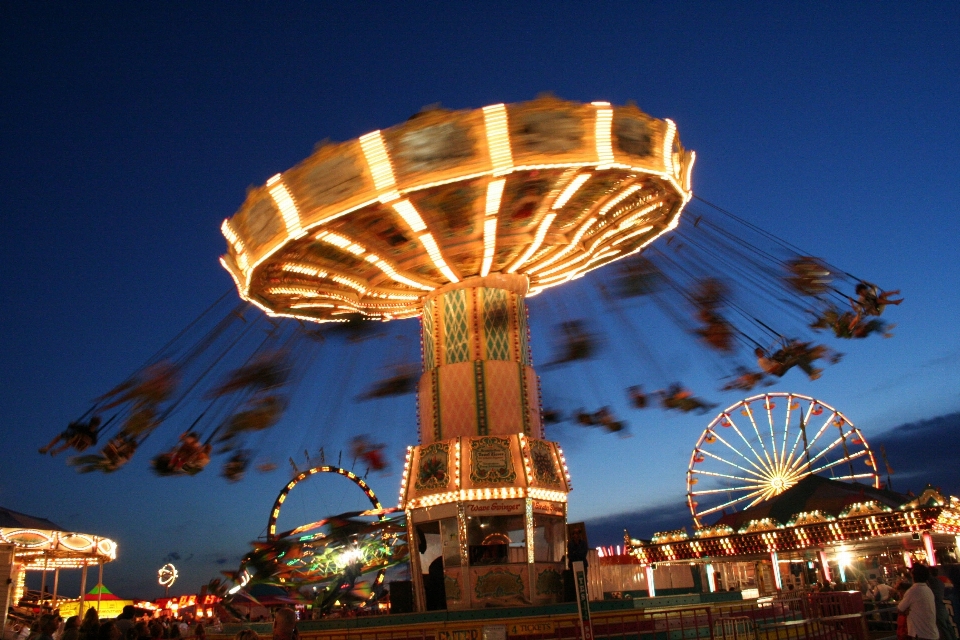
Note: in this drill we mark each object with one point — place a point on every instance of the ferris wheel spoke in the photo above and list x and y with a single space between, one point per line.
772 465
823 429
806 461
724 475
833 445
766 495
786 429
729 503
773 438
712 491
759 458
801 430
858 454
738 452
732 464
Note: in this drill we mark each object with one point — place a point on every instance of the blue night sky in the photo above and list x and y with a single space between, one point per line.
130 131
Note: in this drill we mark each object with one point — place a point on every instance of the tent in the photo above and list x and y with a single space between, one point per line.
110 605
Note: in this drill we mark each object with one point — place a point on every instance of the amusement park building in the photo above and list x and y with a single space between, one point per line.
824 530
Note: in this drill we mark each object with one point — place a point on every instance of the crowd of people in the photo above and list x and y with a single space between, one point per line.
126 626
918 600
129 626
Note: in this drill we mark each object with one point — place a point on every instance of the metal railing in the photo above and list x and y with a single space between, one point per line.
800 616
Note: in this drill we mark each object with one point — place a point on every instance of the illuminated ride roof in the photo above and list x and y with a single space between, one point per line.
549 189
833 512
41 544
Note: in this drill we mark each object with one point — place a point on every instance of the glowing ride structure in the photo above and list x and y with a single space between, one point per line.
300 477
52 550
455 217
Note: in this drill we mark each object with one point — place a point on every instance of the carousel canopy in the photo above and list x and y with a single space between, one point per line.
10 519
42 545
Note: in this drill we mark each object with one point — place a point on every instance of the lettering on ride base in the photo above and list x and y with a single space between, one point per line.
494 508
531 628
458 634
549 508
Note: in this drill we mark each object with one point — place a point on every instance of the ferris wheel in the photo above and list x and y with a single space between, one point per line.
760 447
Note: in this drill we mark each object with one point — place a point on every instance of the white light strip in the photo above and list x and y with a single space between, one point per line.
594 245
602 135
238 247
587 268
377 159
498 138
626 222
392 273
537 240
349 282
571 245
294 291
489 244
313 305
410 215
571 189
569 263
632 234
340 241
487 494
494 195
434 252
687 179
227 230
288 209
668 147
304 269
629 191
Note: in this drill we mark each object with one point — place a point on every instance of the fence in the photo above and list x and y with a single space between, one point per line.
807 616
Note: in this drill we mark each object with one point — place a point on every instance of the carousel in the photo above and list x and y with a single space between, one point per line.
456 218
38 545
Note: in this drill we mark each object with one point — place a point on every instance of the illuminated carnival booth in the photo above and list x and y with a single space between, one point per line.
785 492
456 217
36 544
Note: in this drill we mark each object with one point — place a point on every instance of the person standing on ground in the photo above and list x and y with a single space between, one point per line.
943 618
90 626
124 621
919 606
49 624
285 625
71 629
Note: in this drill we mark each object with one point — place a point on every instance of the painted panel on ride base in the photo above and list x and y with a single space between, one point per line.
490 461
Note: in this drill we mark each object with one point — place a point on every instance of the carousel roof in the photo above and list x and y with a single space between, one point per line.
15 519
41 544
549 189
813 493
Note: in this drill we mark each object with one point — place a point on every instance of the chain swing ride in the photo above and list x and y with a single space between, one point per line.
457 217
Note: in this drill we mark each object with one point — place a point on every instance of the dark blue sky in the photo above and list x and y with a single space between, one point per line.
129 131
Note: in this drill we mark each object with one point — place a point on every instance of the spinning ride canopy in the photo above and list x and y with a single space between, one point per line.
546 189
